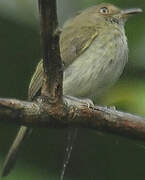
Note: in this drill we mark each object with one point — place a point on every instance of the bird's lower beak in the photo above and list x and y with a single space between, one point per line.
128 12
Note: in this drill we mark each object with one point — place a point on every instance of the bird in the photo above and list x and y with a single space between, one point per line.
94 51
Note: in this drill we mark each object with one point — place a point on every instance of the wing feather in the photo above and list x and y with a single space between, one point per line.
73 42
36 81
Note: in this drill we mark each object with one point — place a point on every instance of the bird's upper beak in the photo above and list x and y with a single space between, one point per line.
127 12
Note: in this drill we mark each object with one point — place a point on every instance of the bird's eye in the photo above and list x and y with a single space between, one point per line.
104 10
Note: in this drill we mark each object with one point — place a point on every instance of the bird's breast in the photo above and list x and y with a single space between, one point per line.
99 67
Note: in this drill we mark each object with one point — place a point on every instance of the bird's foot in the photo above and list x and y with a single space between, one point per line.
112 108
82 102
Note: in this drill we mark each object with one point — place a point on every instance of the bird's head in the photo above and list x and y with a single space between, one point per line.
115 14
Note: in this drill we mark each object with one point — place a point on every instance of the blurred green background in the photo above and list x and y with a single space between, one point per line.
95 155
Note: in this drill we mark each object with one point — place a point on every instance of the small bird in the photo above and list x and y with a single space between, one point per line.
94 51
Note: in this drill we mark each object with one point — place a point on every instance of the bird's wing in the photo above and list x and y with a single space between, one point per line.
36 81
74 41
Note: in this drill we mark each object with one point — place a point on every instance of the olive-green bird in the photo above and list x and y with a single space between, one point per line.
94 51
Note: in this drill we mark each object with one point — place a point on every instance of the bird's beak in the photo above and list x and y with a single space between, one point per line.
127 12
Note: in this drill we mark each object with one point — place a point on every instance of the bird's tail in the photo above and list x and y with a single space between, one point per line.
11 156
72 134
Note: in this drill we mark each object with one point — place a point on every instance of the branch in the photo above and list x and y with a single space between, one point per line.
53 75
42 114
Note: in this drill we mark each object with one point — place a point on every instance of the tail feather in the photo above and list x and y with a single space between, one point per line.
12 154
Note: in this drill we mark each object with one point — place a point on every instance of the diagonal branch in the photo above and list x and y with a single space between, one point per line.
53 75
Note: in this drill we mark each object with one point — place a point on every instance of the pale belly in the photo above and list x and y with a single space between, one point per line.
97 69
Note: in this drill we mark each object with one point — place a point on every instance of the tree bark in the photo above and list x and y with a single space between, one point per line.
53 74
42 114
